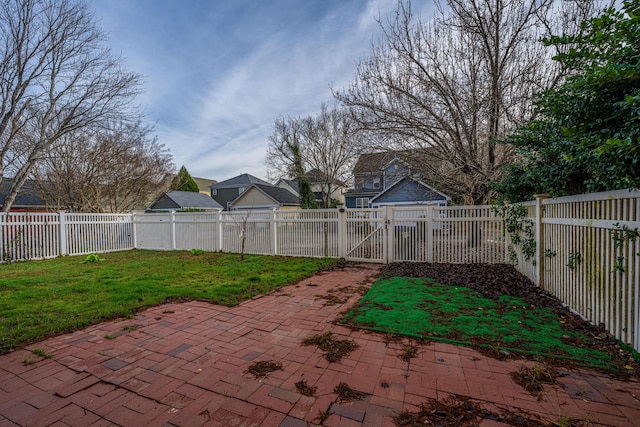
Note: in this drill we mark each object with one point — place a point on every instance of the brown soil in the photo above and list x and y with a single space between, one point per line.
495 280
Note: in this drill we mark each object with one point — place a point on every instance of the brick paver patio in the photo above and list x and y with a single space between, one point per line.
185 364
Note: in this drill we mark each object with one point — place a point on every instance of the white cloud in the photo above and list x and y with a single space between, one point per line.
219 73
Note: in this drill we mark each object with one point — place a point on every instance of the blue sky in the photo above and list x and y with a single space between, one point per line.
217 73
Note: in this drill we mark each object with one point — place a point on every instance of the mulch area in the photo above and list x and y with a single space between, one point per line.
495 280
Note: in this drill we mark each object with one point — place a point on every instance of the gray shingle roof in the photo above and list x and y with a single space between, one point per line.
30 196
374 162
293 183
280 195
243 180
189 200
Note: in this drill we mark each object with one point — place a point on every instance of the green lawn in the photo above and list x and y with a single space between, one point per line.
424 309
39 299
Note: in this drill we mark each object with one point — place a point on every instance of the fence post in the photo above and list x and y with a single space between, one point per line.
3 226
219 230
389 238
540 246
62 233
274 232
342 231
429 232
134 235
173 230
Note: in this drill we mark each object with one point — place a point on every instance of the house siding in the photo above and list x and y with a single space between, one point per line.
350 199
225 195
394 172
409 191
254 197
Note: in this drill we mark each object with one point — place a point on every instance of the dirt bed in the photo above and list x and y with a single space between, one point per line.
495 280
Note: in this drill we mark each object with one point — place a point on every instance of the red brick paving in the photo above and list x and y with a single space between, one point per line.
186 365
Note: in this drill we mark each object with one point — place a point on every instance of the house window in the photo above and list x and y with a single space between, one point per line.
241 190
362 202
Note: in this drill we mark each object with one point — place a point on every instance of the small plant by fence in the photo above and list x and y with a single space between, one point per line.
583 249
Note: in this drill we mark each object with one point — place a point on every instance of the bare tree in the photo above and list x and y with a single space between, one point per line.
328 143
111 170
456 84
57 77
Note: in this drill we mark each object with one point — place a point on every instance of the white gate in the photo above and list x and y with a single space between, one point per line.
366 236
424 234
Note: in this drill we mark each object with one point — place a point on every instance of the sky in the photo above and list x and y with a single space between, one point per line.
218 73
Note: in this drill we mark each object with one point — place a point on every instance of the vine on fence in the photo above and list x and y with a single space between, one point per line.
520 230
621 235
575 258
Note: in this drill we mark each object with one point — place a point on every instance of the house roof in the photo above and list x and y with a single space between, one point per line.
430 191
278 194
291 183
204 184
375 162
188 200
242 180
317 176
29 196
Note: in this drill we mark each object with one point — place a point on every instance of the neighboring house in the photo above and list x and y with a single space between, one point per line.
318 181
265 196
179 200
227 191
289 184
29 199
376 176
409 191
204 184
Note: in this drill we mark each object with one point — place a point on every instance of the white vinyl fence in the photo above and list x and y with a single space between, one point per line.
25 235
588 255
432 234
583 249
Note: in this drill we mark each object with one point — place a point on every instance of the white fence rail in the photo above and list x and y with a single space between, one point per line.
587 248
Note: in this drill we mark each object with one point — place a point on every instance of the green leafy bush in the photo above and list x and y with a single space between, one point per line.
92 258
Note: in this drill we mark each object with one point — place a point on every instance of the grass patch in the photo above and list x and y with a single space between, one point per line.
39 299
421 308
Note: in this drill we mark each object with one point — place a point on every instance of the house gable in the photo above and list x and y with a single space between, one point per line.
260 196
228 190
393 172
410 191
253 198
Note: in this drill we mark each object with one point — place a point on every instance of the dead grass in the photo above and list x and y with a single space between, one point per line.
334 349
347 394
263 368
